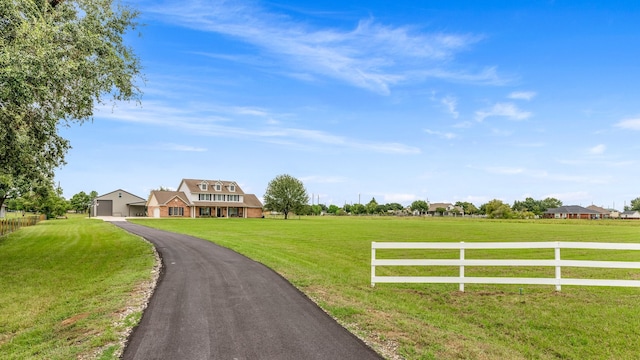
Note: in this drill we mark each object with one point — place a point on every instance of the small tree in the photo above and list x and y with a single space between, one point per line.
285 194
421 206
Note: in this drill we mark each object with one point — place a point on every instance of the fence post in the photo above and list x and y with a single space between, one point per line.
558 272
373 267
461 266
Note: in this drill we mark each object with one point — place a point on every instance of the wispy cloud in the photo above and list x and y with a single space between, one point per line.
507 110
522 95
370 55
450 104
598 149
187 148
236 122
629 124
444 135
323 179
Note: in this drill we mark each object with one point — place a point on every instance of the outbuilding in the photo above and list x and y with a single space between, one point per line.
119 203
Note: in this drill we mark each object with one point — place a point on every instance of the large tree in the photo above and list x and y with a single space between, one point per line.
58 59
285 194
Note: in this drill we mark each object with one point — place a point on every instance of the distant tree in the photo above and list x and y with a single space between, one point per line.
285 194
80 202
537 207
635 204
372 206
333 209
347 208
441 210
549 203
420 205
467 207
358 209
496 209
394 206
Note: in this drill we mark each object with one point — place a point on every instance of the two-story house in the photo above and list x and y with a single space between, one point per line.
204 198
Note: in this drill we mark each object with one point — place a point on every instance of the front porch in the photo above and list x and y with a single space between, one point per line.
219 212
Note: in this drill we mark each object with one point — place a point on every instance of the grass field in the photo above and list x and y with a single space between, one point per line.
329 259
67 288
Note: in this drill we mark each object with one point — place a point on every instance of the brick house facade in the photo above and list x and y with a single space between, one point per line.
204 198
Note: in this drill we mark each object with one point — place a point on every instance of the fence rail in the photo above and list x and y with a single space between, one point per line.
11 225
557 262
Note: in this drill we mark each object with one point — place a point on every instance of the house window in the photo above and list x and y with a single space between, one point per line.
234 198
218 197
176 211
218 187
204 197
203 186
232 188
205 211
119 194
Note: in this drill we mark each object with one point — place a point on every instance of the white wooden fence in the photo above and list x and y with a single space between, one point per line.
557 262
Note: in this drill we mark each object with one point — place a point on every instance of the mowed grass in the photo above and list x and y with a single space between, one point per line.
64 288
328 258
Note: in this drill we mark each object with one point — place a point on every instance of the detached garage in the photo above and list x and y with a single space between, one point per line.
118 203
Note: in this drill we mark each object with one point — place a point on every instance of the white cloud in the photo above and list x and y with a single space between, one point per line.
522 95
371 55
212 122
187 148
630 124
450 103
399 198
508 110
570 198
505 170
444 135
323 179
598 149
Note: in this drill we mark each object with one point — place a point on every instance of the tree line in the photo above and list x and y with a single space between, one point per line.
48 200
287 194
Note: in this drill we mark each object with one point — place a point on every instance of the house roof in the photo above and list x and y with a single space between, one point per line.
252 201
570 209
447 206
163 197
194 186
599 209
120 190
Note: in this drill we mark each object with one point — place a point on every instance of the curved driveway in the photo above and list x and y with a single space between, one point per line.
212 303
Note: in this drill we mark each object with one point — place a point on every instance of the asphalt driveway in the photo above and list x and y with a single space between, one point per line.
212 303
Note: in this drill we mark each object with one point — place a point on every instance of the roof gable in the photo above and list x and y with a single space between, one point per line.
120 190
193 185
164 197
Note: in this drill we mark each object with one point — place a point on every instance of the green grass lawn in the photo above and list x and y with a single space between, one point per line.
328 258
65 287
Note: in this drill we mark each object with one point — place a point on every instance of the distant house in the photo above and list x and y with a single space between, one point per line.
118 203
571 212
449 209
630 214
604 213
204 198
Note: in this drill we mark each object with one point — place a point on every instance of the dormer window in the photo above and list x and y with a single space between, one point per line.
203 186
218 187
232 187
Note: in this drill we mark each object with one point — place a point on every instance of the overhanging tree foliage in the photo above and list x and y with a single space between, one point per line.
285 194
58 59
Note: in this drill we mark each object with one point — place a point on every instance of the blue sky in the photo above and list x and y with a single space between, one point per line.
399 100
